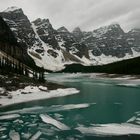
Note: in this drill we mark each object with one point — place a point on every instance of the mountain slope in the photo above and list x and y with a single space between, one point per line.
52 49
109 44
48 47
9 47
20 27
108 41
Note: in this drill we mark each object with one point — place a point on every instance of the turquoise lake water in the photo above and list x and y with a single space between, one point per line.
104 109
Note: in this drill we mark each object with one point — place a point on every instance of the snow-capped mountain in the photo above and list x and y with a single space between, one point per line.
133 39
109 44
20 25
10 47
53 49
50 48
108 40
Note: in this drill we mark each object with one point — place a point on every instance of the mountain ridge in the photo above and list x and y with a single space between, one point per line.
52 49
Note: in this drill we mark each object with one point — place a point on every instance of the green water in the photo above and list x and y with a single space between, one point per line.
113 103
107 103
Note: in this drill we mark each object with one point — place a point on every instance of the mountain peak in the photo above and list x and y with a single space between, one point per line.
40 21
77 29
111 29
11 9
62 29
77 33
135 30
114 25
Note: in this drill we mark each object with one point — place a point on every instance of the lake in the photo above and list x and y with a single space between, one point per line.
104 109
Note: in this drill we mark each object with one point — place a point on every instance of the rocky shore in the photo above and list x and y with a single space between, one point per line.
12 82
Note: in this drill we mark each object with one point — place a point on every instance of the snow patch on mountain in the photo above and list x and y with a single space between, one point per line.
103 30
52 57
103 59
53 49
45 60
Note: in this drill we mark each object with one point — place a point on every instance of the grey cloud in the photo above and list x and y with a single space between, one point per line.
110 11
88 14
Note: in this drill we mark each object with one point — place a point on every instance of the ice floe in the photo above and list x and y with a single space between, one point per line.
53 108
14 135
110 129
128 85
26 136
36 135
57 108
24 110
47 119
135 119
58 116
132 119
131 127
9 117
2 129
117 103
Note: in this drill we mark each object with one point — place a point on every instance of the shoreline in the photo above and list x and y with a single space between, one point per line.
17 89
121 76
19 98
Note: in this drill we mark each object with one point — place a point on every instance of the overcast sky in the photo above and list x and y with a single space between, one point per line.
87 14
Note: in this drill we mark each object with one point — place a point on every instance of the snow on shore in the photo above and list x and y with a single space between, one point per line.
32 93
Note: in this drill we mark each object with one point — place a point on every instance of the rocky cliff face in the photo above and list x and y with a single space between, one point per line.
53 49
133 39
8 42
78 34
50 48
20 25
71 44
110 43
6 35
108 40
17 34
